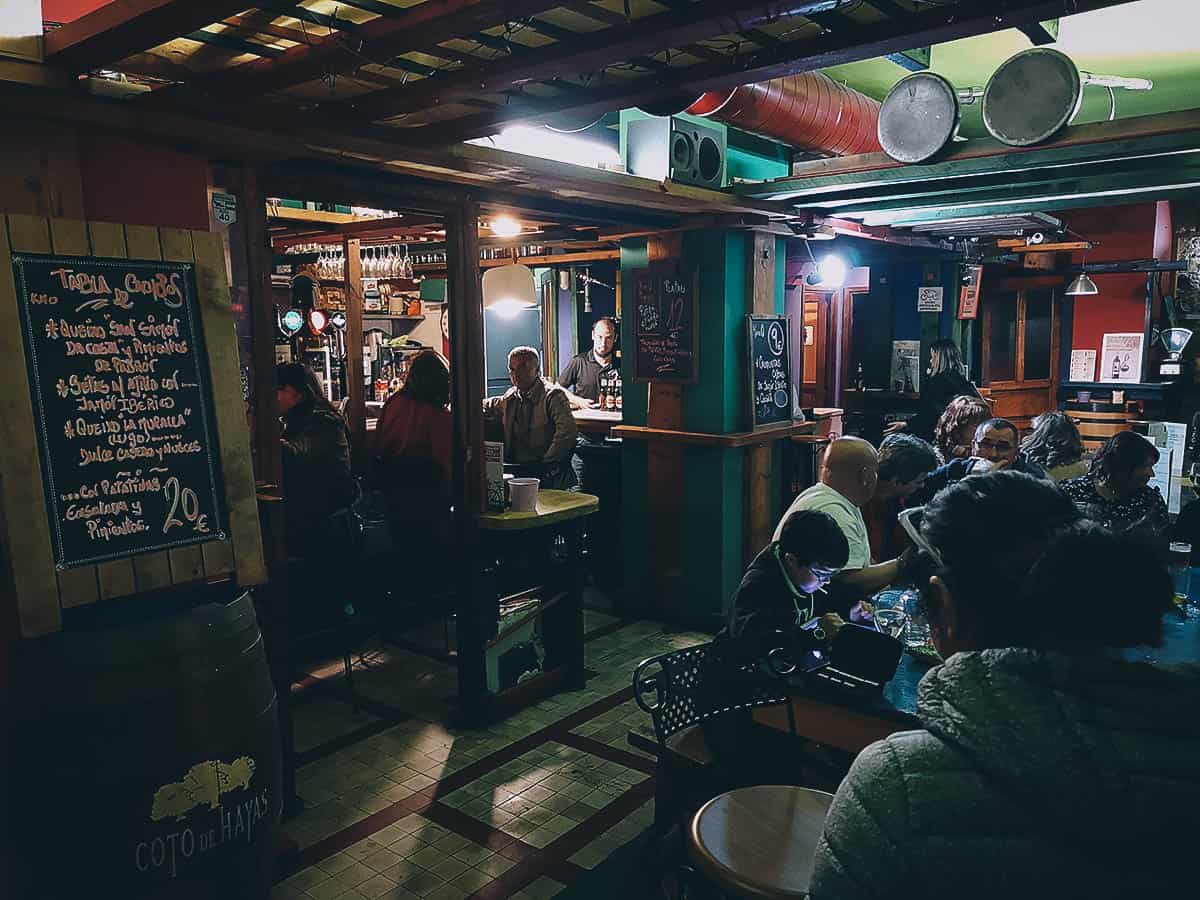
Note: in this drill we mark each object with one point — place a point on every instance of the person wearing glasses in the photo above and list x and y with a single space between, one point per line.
1047 763
996 447
779 587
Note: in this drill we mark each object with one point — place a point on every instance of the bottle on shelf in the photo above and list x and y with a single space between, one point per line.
860 382
619 404
602 402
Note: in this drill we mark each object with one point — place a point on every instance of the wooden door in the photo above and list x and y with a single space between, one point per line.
1021 327
826 347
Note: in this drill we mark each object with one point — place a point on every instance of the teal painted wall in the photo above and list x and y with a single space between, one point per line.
713 505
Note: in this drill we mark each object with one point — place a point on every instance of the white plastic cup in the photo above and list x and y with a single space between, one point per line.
523 494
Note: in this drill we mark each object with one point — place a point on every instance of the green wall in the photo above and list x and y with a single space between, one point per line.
711 521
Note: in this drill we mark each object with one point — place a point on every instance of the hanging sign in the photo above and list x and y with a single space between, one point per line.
224 208
120 386
968 297
929 299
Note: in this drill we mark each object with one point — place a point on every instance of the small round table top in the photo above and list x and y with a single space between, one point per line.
759 841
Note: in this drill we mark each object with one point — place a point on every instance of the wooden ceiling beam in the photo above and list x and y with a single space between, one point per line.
122 28
415 28
585 53
851 43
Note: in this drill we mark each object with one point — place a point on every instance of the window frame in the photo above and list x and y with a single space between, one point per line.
1019 381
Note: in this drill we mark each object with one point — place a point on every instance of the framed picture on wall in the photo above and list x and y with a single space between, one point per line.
1121 358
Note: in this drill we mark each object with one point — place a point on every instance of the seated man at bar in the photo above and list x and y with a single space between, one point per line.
581 377
997 446
535 419
904 463
1048 764
849 476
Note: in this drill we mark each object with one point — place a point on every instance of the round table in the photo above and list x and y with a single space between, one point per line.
759 841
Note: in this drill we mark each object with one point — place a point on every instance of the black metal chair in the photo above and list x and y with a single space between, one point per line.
683 690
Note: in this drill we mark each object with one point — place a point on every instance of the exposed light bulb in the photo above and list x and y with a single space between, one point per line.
505 226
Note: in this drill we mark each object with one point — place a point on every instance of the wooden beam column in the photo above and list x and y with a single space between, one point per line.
760 300
357 408
263 328
464 301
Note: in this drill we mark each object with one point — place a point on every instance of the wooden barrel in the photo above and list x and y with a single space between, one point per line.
1097 421
147 759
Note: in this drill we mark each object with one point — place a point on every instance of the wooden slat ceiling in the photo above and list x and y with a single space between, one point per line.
432 72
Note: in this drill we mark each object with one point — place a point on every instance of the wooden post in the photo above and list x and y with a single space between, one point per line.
357 409
760 300
263 327
464 301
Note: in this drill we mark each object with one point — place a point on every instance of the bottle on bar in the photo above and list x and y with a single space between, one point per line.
619 395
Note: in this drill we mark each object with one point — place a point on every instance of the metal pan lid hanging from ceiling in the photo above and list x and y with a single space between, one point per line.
919 117
1031 97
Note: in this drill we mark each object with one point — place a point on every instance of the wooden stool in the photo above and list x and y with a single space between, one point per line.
759 841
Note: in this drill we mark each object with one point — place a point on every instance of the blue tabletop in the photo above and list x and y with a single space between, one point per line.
1181 643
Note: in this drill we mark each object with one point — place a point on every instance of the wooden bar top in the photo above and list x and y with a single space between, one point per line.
552 507
705 439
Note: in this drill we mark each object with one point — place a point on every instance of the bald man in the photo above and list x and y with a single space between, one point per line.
849 475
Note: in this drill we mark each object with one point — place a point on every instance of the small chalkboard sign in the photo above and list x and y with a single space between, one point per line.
666 336
770 356
122 405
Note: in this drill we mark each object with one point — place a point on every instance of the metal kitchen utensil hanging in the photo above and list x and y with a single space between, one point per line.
1038 92
919 117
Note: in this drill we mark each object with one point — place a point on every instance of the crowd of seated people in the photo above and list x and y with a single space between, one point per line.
1046 762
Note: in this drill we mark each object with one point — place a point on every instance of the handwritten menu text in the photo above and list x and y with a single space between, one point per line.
119 382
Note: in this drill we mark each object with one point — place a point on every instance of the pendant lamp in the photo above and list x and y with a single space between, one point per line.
1082 286
509 289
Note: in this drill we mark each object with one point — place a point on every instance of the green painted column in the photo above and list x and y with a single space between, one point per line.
710 520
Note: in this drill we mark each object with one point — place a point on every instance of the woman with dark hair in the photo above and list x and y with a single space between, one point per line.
319 489
943 383
415 421
955 429
1046 764
414 456
1055 445
1116 490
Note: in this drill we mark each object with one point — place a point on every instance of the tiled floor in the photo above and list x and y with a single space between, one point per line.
398 805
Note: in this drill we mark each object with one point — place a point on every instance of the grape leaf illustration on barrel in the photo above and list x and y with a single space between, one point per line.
122 403
770 361
665 324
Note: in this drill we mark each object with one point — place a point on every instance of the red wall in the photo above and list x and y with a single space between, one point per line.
68 10
1123 232
138 183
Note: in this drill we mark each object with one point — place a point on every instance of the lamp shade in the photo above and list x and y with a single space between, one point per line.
1082 286
509 289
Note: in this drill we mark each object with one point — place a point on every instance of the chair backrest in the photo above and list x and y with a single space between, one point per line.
685 687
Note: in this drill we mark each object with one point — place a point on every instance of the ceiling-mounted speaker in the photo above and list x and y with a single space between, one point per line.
683 151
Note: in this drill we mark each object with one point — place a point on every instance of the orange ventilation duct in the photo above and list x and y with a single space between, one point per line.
809 110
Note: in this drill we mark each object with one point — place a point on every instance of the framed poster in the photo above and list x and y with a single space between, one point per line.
906 367
929 299
1121 358
1083 365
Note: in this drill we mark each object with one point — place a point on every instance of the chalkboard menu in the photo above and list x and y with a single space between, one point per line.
121 400
666 336
770 370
